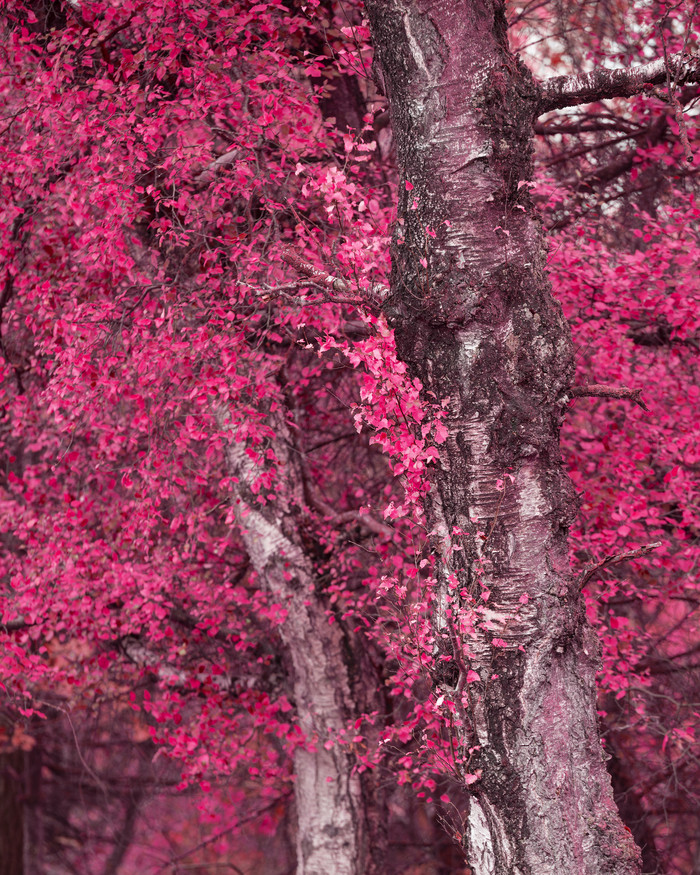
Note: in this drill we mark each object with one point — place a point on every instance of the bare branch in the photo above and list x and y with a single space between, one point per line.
601 84
615 559
599 391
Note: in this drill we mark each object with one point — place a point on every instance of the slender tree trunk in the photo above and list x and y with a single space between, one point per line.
340 827
475 320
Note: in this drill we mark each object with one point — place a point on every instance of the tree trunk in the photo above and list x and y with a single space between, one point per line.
474 319
340 824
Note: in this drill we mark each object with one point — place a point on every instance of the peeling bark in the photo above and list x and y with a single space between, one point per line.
481 330
339 814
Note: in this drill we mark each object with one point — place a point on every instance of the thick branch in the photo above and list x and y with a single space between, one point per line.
601 84
17 625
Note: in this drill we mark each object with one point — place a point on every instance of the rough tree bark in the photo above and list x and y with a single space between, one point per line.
475 320
340 813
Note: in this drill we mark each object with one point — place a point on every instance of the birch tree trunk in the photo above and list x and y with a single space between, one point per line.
340 823
474 319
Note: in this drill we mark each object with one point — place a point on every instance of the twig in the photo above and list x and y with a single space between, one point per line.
600 391
592 570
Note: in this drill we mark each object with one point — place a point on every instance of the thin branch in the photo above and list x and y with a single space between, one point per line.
365 519
601 84
333 283
98 780
15 625
221 833
592 570
587 122
349 516
319 277
598 391
209 171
